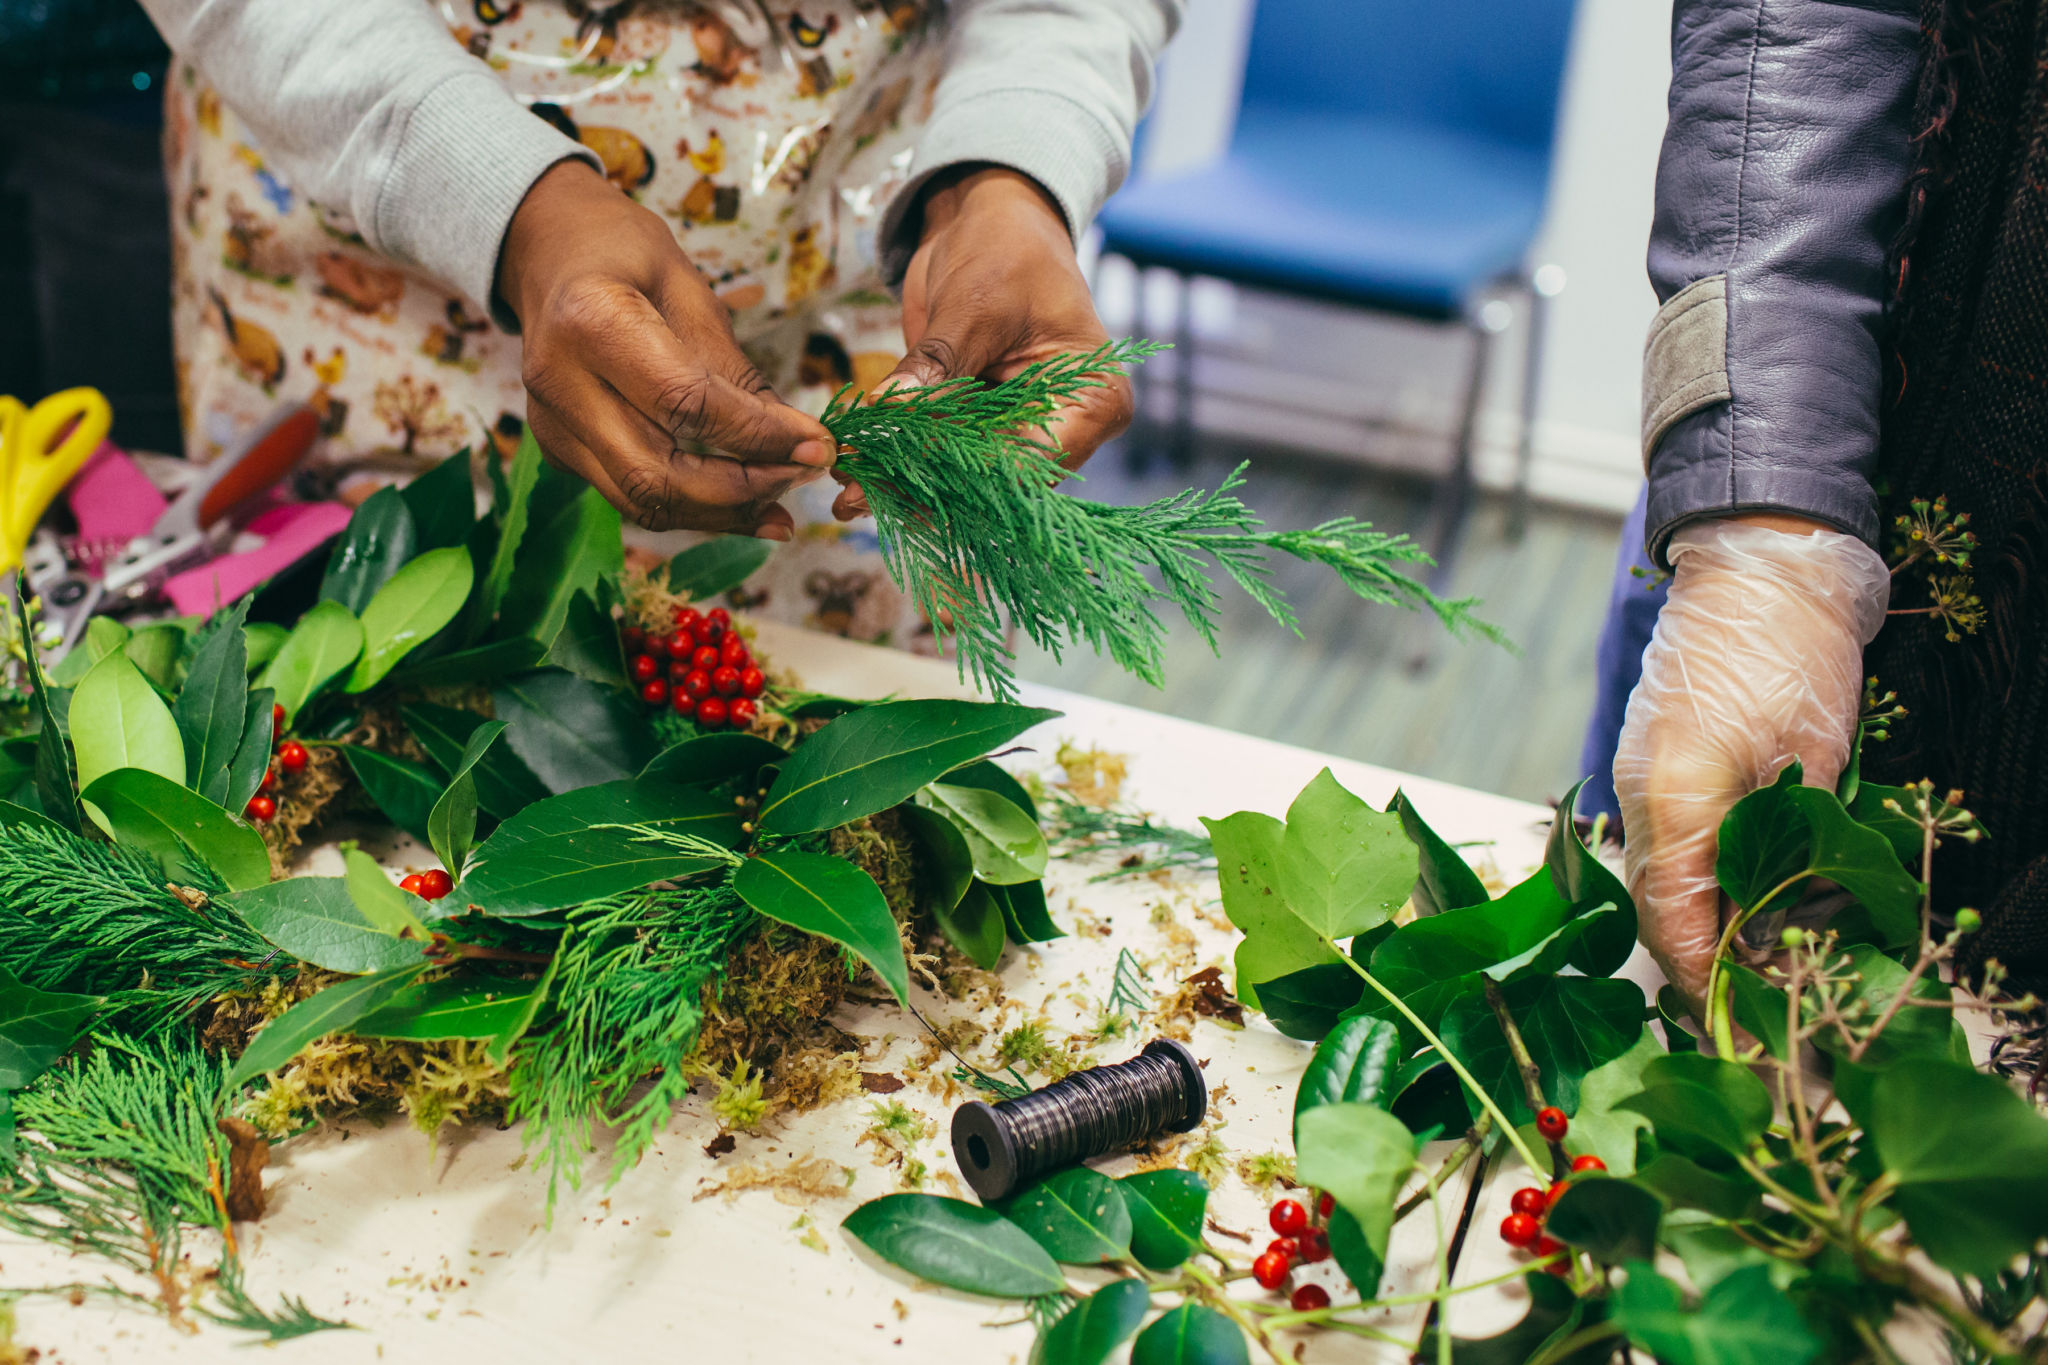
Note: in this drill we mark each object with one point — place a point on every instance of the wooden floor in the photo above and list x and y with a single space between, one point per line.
1376 683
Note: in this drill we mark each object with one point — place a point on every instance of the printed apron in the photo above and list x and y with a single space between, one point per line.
769 133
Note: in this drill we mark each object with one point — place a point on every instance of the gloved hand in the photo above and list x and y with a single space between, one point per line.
1756 660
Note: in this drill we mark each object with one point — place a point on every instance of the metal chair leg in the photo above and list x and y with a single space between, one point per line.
1532 380
1453 498
1182 450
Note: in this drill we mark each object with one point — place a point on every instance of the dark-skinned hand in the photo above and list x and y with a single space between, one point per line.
630 364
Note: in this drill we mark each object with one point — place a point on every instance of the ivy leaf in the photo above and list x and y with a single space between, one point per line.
570 732
1762 844
480 663
711 759
315 920
1613 1220
1861 862
1093 1328
1025 914
1786 833
410 609
876 757
1431 962
1913 1031
326 641
588 646
1445 880
595 842
1760 1008
820 894
253 750
388 908
1344 867
36 1027
565 552
1192 1334
504 785
974 924
119 721
402 789
1582 879
1743 1320
1076 1215
956 1244
1970 1157
213 704
1685 1184
1005 842
717 566
1360 1155
379 538
442 502
1276 944
451 824
331 1011
515 494
1571 1025
1702 1107
55 786
1166 1208
1308 1003
1598 1127
145 811
1356 1063
1869 807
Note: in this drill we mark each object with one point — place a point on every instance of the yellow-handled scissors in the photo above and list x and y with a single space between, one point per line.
40 449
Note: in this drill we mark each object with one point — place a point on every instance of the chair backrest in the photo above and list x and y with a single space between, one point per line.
1482 66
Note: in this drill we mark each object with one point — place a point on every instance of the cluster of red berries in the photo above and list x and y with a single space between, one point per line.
1523 1228
291 756
428 886
702 669
1300 1239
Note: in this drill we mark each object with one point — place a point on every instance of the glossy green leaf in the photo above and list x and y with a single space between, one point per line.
570 732
409 610
515 494
1872 807
13 814
1586 882
1862 862
1360 1155
36 1027
1970 1157
55 785
1005 842
1743 1320
1702 1107
975 925
1611 1220
1782 835
103 636
956 1244
717 566
709 760
432 1011
504 785
876 757
1167 1208
451 824
253 750
481 663
596 842
156 650
331 1011
156 815
1354 1064
404 790
1571 1024
1760 1008
1598 1127
326 641
1076 1214
945 867
1444 881
1309 1003
264 639
588 645
1548 956
990 776
1913 1031
1344 867
1683 1183
1090 1331
379 539
824 895
1025 913
1762 845
315 920
1431 962
443 503
1247 871
566 550
119 721
1192 1334
388 909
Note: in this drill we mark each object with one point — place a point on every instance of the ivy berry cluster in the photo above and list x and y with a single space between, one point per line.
1300 1239
1523 1228
702 668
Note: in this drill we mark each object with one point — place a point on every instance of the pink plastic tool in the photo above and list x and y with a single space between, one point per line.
292 531
112 499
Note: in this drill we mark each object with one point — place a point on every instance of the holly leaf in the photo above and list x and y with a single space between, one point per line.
1355 1063
824 895
145 811
410 609
717 566
451 824
326 641
331 1011
1344 867
599 841
1570 1024
1192 1334
1087 1333
1612 1220
1743 1320
119 721
1444 881
1076 1214
36 1027
213 703
956 1244
1005 842
1167 1208
1247 871
378 539
315 920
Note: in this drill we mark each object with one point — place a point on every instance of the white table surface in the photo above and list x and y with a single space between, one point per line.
440 1255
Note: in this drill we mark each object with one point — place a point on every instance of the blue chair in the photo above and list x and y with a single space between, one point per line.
1389 155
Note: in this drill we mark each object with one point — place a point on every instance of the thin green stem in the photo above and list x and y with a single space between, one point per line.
1443 1282
1576 1342
1474 1138
1720 988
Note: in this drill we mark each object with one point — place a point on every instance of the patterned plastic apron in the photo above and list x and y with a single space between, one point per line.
769 133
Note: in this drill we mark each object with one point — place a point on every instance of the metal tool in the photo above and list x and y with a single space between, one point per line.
40 449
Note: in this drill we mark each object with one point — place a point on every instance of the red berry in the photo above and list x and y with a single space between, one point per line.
269 779
697 683
634 638
292 756
1528 1200
1309 1297
645 667
680 698
276 716
261 809
435 884
1288 1217
1270 1270
687 619
711 712
1588 1162
709 632
1315 1245
1285 1246
720 615
704 657
411 881
1547 1246
725 680
1551 1122
741 712
654 693
733 650
680 644
1556 1193
657 645
1520 1230
753 682
678 670
1325 1206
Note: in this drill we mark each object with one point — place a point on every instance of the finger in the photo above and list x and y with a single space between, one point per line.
958 341
851 503
1093 419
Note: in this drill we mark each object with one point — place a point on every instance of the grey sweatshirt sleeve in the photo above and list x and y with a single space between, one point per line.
1051 88
371 108
1779 189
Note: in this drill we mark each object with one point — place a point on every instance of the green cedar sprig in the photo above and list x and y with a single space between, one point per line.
961 480
1075 827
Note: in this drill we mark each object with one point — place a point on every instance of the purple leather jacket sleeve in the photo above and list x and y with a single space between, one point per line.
1783 169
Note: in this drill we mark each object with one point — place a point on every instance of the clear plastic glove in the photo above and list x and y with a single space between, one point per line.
1757 659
